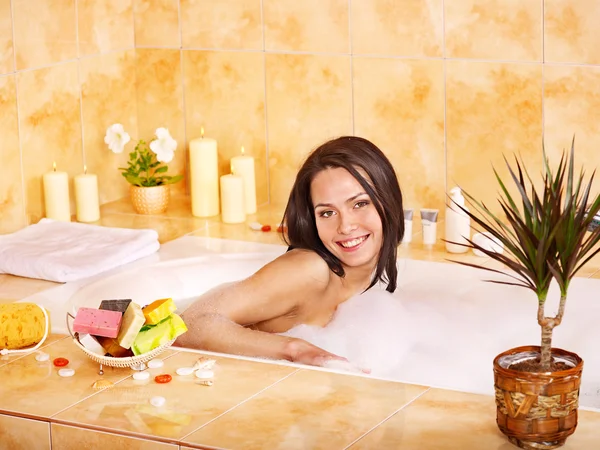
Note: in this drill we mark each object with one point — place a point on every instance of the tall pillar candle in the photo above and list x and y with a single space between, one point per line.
233 209
243 166
204 177
56 195
86 197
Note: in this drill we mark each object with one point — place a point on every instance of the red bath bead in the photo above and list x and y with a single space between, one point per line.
266 228
163 378
61 362
281 229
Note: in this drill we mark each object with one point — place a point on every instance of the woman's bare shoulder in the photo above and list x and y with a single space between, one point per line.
300 265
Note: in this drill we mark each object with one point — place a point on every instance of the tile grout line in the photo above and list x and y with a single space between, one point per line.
20 136
444 74
186 168
267 146
238 404
387 418
80 85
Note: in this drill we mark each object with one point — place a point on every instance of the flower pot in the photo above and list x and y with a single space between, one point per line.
537 410
150 200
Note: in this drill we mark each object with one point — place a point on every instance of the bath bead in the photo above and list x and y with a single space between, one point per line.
42 357
164 378
139 367
184 371
157 401
61 362
102 384
255 226
155 363
141 376
97 322
266 228
66 372
205 374
204 363
205 382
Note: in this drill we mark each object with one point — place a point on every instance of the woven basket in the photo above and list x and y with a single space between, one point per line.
129 361
537 410
150 200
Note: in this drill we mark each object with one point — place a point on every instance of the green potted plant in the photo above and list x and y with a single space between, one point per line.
146 171
547 235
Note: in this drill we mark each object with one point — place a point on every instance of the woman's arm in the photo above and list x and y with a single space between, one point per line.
218 320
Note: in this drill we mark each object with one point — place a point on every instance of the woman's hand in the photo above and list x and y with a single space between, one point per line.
303 352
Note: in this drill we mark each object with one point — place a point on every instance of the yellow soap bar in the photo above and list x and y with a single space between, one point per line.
21 325
159 310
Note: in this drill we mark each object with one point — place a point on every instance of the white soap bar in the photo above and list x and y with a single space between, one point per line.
155 363
133 321
42 357
205 374
66 372
157 401
92 344
184 371
140 376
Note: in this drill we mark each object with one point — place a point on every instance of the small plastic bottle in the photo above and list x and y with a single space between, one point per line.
458 223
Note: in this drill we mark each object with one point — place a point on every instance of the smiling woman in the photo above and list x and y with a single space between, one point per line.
345 222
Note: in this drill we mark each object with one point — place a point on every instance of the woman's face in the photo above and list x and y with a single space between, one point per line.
347 221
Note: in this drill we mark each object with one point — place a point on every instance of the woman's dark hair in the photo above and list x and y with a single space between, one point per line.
356 155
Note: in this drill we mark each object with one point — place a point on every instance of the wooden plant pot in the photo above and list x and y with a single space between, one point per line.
150 200
536 410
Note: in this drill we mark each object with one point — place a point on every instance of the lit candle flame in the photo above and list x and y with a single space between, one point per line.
202 132
54 166
84 169
242 149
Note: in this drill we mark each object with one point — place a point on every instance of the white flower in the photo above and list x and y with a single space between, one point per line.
164 145
116 138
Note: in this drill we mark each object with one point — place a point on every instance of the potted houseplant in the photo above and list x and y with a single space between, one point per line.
146 171
547 235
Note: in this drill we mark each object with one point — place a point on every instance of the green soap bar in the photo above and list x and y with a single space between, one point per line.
153 336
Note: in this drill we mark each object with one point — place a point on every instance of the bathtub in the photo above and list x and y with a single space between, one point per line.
442 327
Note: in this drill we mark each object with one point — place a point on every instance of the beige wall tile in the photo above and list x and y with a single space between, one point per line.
160 101
571 31
157 23
71 438
225 94
45 32
307 26
308 102
12 205
104 26
399 105
405 28
108 96
507 30
459 424
7 61
492 109
307 410
50 121
572 108
226 24
23 434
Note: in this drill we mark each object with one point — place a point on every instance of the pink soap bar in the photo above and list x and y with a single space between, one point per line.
98 322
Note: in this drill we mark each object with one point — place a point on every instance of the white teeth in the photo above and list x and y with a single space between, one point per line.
352 243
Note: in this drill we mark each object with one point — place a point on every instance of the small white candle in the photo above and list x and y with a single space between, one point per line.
232 199
204 176
56 195
86 197
243 166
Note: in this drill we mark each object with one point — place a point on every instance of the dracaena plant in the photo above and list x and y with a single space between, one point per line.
546 234
146 162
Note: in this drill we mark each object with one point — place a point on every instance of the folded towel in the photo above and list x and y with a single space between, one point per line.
67 251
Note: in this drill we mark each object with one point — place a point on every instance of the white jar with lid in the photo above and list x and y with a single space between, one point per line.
458 223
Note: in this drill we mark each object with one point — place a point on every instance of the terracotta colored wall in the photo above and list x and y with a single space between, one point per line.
443 87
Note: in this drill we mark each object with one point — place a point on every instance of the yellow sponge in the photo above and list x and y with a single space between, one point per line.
21 325
158 310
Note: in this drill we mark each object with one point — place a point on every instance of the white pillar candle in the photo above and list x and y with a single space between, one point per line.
56 195
204 177
232 199
243 166
86 197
